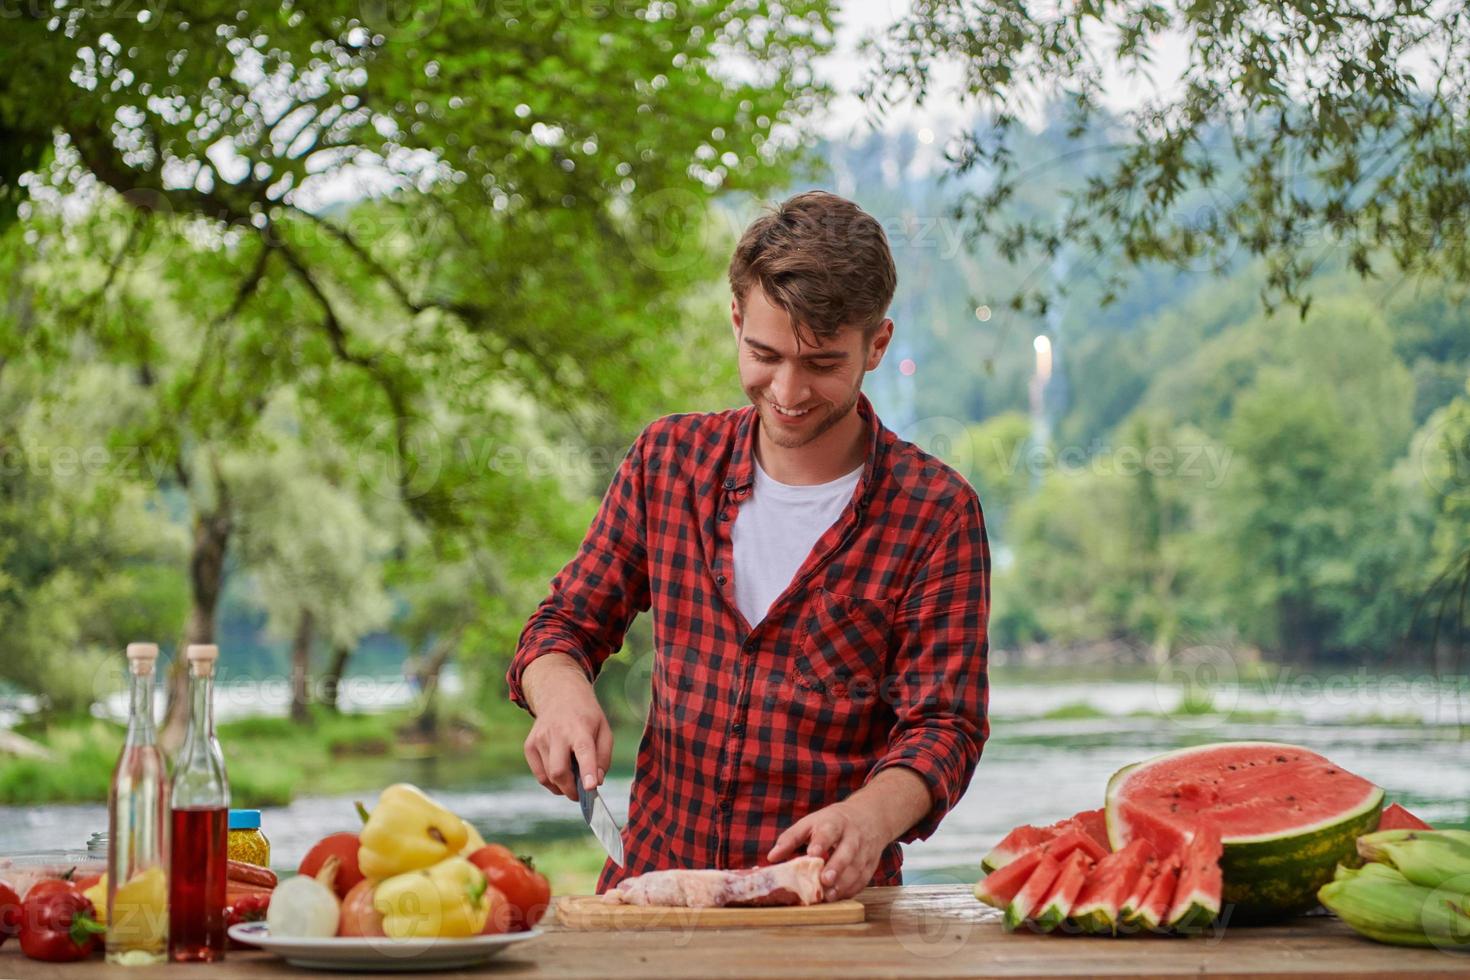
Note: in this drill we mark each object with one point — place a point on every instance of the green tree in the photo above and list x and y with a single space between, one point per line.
86 563
1299 493
530 238
1109 548
1291 124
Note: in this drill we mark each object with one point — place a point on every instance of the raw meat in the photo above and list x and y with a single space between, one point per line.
794 882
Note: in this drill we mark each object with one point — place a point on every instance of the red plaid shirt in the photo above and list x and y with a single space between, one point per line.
874 656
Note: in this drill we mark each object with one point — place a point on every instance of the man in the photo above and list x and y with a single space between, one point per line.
819 587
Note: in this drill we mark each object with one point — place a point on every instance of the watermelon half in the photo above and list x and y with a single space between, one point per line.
1286 817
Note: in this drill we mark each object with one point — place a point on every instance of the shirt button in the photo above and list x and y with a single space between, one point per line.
725 806
729 482
719 580
724 515
738 728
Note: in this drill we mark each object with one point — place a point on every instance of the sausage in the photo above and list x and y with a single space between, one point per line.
251 874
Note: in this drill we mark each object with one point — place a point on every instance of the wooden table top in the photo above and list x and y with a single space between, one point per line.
912 931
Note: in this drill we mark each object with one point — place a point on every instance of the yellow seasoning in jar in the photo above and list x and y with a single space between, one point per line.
246 840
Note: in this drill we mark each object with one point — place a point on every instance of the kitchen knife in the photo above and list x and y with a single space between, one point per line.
599 818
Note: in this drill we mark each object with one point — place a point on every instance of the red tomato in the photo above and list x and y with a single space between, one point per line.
47 886
359 918
58 925
501 918
9 912
343 847
526 890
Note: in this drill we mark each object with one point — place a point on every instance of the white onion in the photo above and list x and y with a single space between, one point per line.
303 908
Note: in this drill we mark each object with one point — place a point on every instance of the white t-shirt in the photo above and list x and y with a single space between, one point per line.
775 530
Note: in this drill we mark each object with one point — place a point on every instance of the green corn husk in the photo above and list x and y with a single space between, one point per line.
1403 914
1461 837
1386 872
1428 858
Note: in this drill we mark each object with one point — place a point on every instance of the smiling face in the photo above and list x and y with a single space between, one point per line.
802 391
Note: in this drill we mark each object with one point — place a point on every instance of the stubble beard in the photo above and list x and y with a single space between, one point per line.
775 430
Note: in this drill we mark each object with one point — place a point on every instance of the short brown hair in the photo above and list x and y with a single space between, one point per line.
822 259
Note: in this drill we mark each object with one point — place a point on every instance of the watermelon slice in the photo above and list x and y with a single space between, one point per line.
1025 837
1074 840
1197 896
1133 901
1108 885
1395 817
1095 823
1000 886
1057 904
1156 904
1027 901
1286 817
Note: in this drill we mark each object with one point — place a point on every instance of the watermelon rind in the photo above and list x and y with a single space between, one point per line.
1267 876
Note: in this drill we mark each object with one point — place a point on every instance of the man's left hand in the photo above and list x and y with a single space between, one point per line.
847 835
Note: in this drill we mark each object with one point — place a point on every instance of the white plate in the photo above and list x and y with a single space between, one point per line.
379 955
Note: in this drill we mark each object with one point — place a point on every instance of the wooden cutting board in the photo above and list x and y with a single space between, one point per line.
591 912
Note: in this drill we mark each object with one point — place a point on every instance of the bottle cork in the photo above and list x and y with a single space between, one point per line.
201 657
141 657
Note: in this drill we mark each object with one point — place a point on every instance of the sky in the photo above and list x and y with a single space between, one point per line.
844 69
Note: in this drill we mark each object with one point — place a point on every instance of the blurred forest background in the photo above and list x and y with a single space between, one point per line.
322 332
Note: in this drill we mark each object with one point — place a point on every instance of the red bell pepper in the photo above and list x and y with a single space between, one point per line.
58 925
247 908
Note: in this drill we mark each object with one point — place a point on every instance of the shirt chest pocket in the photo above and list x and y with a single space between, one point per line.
843 648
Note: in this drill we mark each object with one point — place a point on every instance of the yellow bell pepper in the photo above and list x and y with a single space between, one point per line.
473 840
97 895
446 901
407 831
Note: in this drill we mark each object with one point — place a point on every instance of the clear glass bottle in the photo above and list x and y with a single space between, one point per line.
201 805
137 830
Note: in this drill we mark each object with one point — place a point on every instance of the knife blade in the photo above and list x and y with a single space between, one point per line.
599 818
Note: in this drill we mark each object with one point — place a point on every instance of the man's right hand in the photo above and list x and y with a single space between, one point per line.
569 721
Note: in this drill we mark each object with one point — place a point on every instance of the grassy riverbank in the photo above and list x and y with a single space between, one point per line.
270 760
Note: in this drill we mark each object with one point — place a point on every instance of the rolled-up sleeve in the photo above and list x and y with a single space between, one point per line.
939 685
595 597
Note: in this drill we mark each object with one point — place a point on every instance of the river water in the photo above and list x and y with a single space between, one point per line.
1051 751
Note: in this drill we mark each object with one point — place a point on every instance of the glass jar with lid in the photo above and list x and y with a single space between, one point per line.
247 842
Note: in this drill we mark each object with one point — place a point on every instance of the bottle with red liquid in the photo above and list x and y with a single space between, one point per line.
201 806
